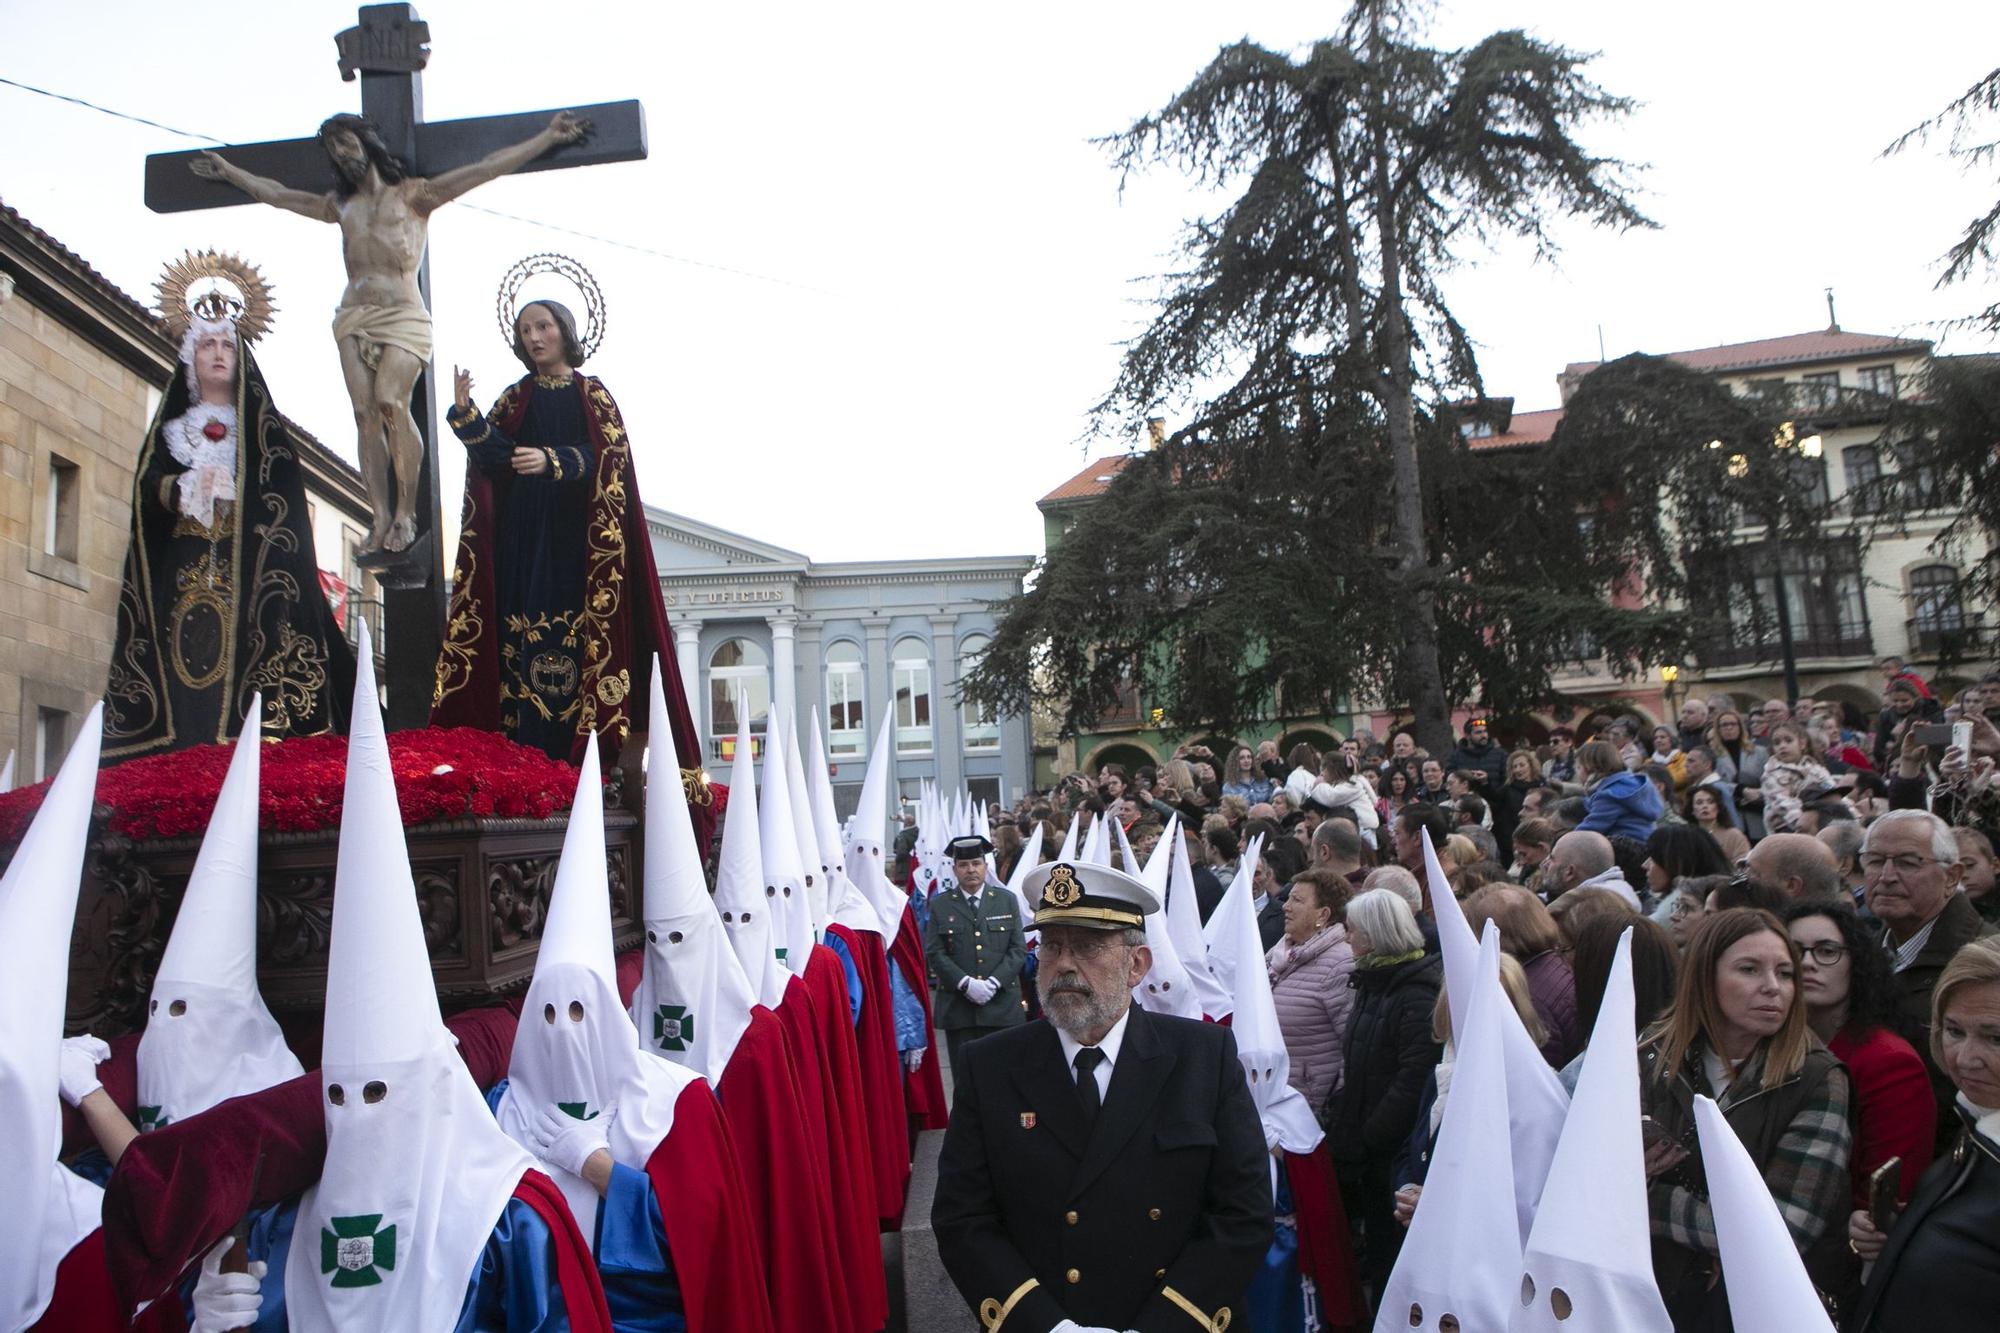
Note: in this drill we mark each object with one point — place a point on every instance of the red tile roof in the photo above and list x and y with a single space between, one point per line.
1089 482
1526 428
1792 349
82 269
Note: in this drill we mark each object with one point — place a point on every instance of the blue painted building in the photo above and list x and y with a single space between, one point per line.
756 625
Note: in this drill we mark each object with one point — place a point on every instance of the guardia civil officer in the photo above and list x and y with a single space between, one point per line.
975 949
1105 1167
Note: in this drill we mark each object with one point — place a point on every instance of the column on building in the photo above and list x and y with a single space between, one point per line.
812 665
784 669
687 652
946 721
881 700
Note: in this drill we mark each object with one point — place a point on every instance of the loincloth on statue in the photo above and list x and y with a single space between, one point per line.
379 326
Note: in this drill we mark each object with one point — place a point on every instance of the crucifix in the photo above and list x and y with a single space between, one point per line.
378 176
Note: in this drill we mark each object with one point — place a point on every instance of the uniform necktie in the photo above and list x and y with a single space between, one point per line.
1086 1062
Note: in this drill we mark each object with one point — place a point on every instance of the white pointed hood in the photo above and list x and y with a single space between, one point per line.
575 1052
49 1208
417 1171
1289 1122
745 899
791 918
1166 988
1462 1255
694 999
208 1034
1031 856
1183 914
814 905
867 847
1097 843
1766 1279
847 905
1592 1241
1220 935
1067 852
1537 1099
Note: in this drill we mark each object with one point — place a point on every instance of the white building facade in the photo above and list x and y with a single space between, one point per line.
758 627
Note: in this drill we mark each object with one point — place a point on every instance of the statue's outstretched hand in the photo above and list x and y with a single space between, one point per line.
209 166
568 127
461 387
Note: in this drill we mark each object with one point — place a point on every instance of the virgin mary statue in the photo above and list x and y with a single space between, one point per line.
221 595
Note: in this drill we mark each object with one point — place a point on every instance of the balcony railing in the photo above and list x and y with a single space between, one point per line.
370 610
1954 636
1845 641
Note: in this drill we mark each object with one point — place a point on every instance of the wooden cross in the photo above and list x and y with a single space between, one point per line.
388 49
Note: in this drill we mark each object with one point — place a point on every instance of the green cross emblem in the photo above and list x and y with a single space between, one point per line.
781 955
357 1250
575 1110
151 1118
673 1027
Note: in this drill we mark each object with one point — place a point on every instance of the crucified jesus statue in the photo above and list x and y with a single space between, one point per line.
382 327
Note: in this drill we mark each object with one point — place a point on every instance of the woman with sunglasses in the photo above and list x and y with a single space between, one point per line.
1850 1000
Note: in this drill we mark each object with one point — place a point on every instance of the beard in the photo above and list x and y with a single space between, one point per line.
1078 1010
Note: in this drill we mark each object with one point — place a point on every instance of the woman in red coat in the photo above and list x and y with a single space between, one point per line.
1844 977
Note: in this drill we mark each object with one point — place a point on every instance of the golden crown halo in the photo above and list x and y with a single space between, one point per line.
208 284
591 335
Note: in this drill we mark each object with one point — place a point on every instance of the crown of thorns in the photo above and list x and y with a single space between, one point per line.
509 305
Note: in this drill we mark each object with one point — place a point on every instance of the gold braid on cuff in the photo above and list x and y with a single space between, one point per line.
992 1313
1219 1324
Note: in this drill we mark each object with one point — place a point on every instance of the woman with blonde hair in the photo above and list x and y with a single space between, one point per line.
1737 1033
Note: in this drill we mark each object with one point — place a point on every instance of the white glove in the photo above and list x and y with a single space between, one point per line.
1071 1326
913 1060
568 1143
981 989
226 1300
80 1058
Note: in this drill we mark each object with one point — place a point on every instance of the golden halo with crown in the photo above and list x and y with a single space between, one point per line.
208 284
591 335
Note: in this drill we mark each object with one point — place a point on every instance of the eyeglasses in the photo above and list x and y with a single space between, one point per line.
1824 952
1086 949
1906 863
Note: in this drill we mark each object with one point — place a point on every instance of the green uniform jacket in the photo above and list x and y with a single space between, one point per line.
987 942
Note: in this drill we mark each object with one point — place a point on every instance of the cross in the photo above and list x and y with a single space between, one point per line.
389 48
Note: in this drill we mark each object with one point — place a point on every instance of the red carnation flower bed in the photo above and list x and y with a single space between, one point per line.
441 773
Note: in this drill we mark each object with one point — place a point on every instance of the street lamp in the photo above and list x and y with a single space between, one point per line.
1670 676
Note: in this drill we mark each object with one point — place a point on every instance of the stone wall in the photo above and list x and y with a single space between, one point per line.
62 397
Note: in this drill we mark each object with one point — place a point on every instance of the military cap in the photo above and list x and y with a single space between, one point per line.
1083 893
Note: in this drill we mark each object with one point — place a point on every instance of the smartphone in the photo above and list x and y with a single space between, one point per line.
1961 736
1937 735
1885 1183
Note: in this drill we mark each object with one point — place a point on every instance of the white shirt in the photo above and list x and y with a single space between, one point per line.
1902 955
1112 1041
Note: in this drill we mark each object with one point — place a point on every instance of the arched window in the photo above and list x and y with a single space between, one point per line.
738 674
846 718
982 727
912 676
1937 607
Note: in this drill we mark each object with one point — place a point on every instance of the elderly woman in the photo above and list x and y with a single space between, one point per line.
1310 965
1388 1057
1737 1032
1939 1265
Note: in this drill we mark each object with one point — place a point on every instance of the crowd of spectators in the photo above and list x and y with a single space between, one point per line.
1811 899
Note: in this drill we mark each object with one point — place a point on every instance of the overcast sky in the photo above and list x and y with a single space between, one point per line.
901 270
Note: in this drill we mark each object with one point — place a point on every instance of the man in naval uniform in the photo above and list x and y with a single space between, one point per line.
975 949
1104 1169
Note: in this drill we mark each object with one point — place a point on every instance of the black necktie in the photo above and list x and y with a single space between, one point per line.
1086 1062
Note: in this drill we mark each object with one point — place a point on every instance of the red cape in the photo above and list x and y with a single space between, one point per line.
83 1302
1326 1247
179 1189
924 1093
582 1289
883 1118
717 1257
801 1028
849 1159
624 624
766 1114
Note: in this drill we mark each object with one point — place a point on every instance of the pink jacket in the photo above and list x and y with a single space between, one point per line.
1314 1001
